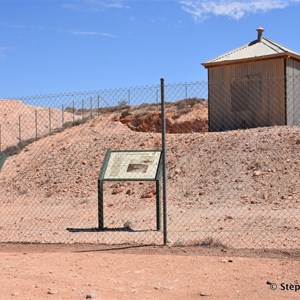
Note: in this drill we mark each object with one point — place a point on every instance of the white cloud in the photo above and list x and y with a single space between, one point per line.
202 9
92 33
95 5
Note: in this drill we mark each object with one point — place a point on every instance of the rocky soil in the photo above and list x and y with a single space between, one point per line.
258 165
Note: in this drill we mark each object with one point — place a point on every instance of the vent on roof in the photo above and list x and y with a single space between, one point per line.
260 31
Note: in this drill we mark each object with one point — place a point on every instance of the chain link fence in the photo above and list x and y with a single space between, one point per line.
232 163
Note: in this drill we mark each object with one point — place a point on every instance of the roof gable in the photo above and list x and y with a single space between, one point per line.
260 48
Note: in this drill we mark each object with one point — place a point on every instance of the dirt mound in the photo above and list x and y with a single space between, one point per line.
68 162
185 116
21 122
152 123
202 169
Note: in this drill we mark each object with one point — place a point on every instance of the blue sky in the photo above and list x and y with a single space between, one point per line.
65 46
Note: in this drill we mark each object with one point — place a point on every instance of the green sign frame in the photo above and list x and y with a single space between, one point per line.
3 158
130 165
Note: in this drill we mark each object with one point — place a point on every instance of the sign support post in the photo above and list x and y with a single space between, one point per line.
100 205
158 210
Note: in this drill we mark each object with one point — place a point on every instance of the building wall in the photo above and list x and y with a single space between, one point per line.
293 91
246 95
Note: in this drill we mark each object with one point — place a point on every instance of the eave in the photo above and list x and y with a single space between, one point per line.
251 59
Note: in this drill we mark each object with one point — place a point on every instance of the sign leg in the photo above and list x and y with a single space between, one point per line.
158 212
100 205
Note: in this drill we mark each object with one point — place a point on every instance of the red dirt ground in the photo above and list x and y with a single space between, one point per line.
97 272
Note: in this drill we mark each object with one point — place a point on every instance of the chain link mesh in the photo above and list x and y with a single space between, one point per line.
237 188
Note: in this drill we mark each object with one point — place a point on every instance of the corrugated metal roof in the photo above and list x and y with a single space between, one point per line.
256 49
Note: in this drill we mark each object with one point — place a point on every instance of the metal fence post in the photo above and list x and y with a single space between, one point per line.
158 206
73 111
49 120
186 90
82 109
62 116
91 105
129 97
36 125
164 163
20 130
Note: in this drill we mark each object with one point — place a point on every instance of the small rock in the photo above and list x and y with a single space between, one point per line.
51 292
239 187
117 190
177 171
147 195
256 173
129 192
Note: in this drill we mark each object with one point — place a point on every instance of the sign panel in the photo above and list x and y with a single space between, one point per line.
132 165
